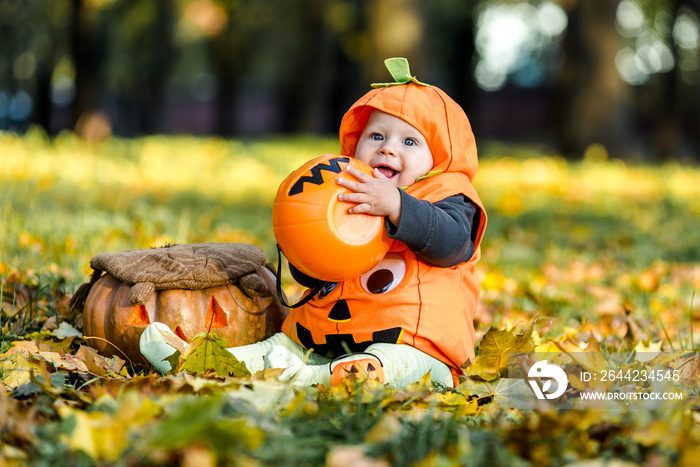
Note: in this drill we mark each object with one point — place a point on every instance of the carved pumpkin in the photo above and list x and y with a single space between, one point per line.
370 365
314 229
111 316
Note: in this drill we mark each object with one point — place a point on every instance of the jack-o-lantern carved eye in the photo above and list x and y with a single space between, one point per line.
138 316
216 318
385 276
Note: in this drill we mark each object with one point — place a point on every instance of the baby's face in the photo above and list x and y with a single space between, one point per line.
397 149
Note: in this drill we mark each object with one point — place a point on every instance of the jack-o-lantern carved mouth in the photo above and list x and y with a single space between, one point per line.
139 316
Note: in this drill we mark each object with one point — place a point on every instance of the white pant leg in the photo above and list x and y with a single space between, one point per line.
254 354
404 365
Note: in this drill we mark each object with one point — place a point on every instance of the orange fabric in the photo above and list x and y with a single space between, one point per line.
431 308
432 112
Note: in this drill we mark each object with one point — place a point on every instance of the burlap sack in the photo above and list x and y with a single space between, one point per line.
197 266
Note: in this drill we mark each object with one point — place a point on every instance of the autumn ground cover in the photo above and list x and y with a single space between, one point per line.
579 256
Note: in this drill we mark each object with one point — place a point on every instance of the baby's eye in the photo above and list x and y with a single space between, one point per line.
409 142
376 137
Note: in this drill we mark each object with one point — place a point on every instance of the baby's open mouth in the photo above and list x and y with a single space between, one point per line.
388 172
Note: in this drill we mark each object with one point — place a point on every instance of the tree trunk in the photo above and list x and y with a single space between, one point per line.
154 94
83 60
591 95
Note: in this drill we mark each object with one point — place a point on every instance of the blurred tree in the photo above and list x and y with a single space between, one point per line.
138 56
667 101
84 52
451 44
396 29
326 46
232 29
629 78
625 82
591 96
33 37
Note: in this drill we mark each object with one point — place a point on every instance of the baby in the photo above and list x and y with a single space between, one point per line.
412 313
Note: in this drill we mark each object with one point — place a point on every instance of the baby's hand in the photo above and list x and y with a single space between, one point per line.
375 195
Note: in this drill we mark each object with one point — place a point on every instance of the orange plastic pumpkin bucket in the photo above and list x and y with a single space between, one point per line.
314 229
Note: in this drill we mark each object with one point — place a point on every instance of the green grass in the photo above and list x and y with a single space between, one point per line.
64 200
598 249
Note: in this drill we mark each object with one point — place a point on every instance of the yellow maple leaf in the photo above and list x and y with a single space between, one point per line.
494 349
16 371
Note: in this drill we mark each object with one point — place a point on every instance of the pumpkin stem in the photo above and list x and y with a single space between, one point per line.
400 71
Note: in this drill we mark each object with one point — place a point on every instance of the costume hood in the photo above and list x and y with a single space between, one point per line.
427 108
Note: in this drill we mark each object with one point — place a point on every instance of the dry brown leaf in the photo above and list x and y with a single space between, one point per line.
97 364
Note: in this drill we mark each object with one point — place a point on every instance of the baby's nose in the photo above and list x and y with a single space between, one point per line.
387 149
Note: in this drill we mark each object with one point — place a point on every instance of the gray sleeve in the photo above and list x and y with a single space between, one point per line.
440 233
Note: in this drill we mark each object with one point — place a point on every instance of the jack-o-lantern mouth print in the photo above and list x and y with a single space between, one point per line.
339 344
385 276
315 174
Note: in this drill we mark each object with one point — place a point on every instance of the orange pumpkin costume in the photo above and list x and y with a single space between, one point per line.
422 305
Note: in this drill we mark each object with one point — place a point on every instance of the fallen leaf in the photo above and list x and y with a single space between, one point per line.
492 361
589 357
16 370
686 364
97 364
50 324
658 433
66 330
208 351
105 435
652 347
488 393
198 455
64 362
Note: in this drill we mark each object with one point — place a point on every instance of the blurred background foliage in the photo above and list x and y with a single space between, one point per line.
567 74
